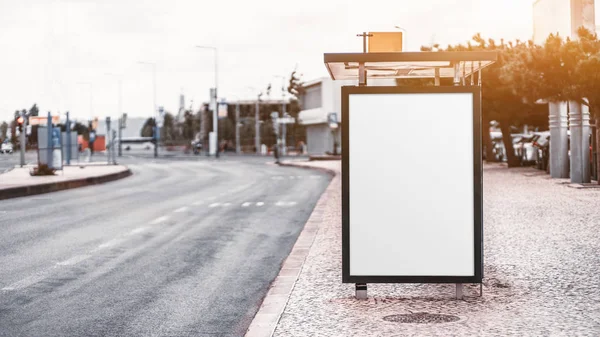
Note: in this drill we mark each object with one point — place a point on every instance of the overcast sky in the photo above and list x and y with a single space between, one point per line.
53 49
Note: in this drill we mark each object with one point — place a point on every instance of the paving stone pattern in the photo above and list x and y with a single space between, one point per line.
541 274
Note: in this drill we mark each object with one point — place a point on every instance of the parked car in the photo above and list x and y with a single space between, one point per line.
196 146
498 146
6 148
542 147
525 148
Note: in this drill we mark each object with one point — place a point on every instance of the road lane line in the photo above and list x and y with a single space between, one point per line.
180 209
107 244
246 204
74 260
26 282
159 220
214 204
138 230
285 203
196 203
226 204
259 204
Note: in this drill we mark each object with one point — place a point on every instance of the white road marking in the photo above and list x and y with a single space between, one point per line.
196 203
159 220
26 282
180 209
211 198
107 244
314 176
299 177
246 204
259 204
138 230
226 204
292 177
74 260
214 204
285 203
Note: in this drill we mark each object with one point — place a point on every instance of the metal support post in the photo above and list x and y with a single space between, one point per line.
362 75
361 291
459 291
237 127
579 124
155 136
284 126
68 139
559 151
50 143
257 125
23 138
437 77
457 74
109 142
120 136
112 147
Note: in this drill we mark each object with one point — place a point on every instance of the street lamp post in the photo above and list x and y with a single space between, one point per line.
120 110
256 121
284 126
156 128
215 95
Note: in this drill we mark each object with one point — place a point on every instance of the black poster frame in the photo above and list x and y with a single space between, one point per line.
477 185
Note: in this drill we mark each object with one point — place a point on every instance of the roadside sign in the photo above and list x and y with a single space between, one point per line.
29 129
286 120
124 121
222 112
38 120
92 136
409 221
382 42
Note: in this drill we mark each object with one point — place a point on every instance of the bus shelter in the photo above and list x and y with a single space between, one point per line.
411 168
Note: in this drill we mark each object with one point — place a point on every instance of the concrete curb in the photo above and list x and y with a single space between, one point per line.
267 317
22 191
322 169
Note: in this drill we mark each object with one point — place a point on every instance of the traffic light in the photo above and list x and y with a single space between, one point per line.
20 122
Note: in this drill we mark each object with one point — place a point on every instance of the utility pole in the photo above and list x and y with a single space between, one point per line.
257 125
68 126
154 100
23 138
237 127
110 145
284 126
215 97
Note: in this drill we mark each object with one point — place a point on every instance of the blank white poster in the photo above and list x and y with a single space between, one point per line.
411 184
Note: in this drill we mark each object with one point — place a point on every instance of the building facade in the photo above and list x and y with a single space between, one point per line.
323 97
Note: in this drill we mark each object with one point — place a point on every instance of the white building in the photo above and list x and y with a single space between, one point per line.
322 97
563 17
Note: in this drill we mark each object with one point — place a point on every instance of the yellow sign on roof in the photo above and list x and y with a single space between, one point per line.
385 42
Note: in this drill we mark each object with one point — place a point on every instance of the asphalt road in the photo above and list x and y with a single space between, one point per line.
184 247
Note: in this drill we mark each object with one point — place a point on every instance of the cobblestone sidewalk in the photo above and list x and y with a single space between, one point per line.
541 276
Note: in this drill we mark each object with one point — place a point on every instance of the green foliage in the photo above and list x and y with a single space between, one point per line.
3 131
147 129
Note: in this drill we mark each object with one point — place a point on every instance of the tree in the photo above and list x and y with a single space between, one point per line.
147 129
3 131
295 87
168 131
